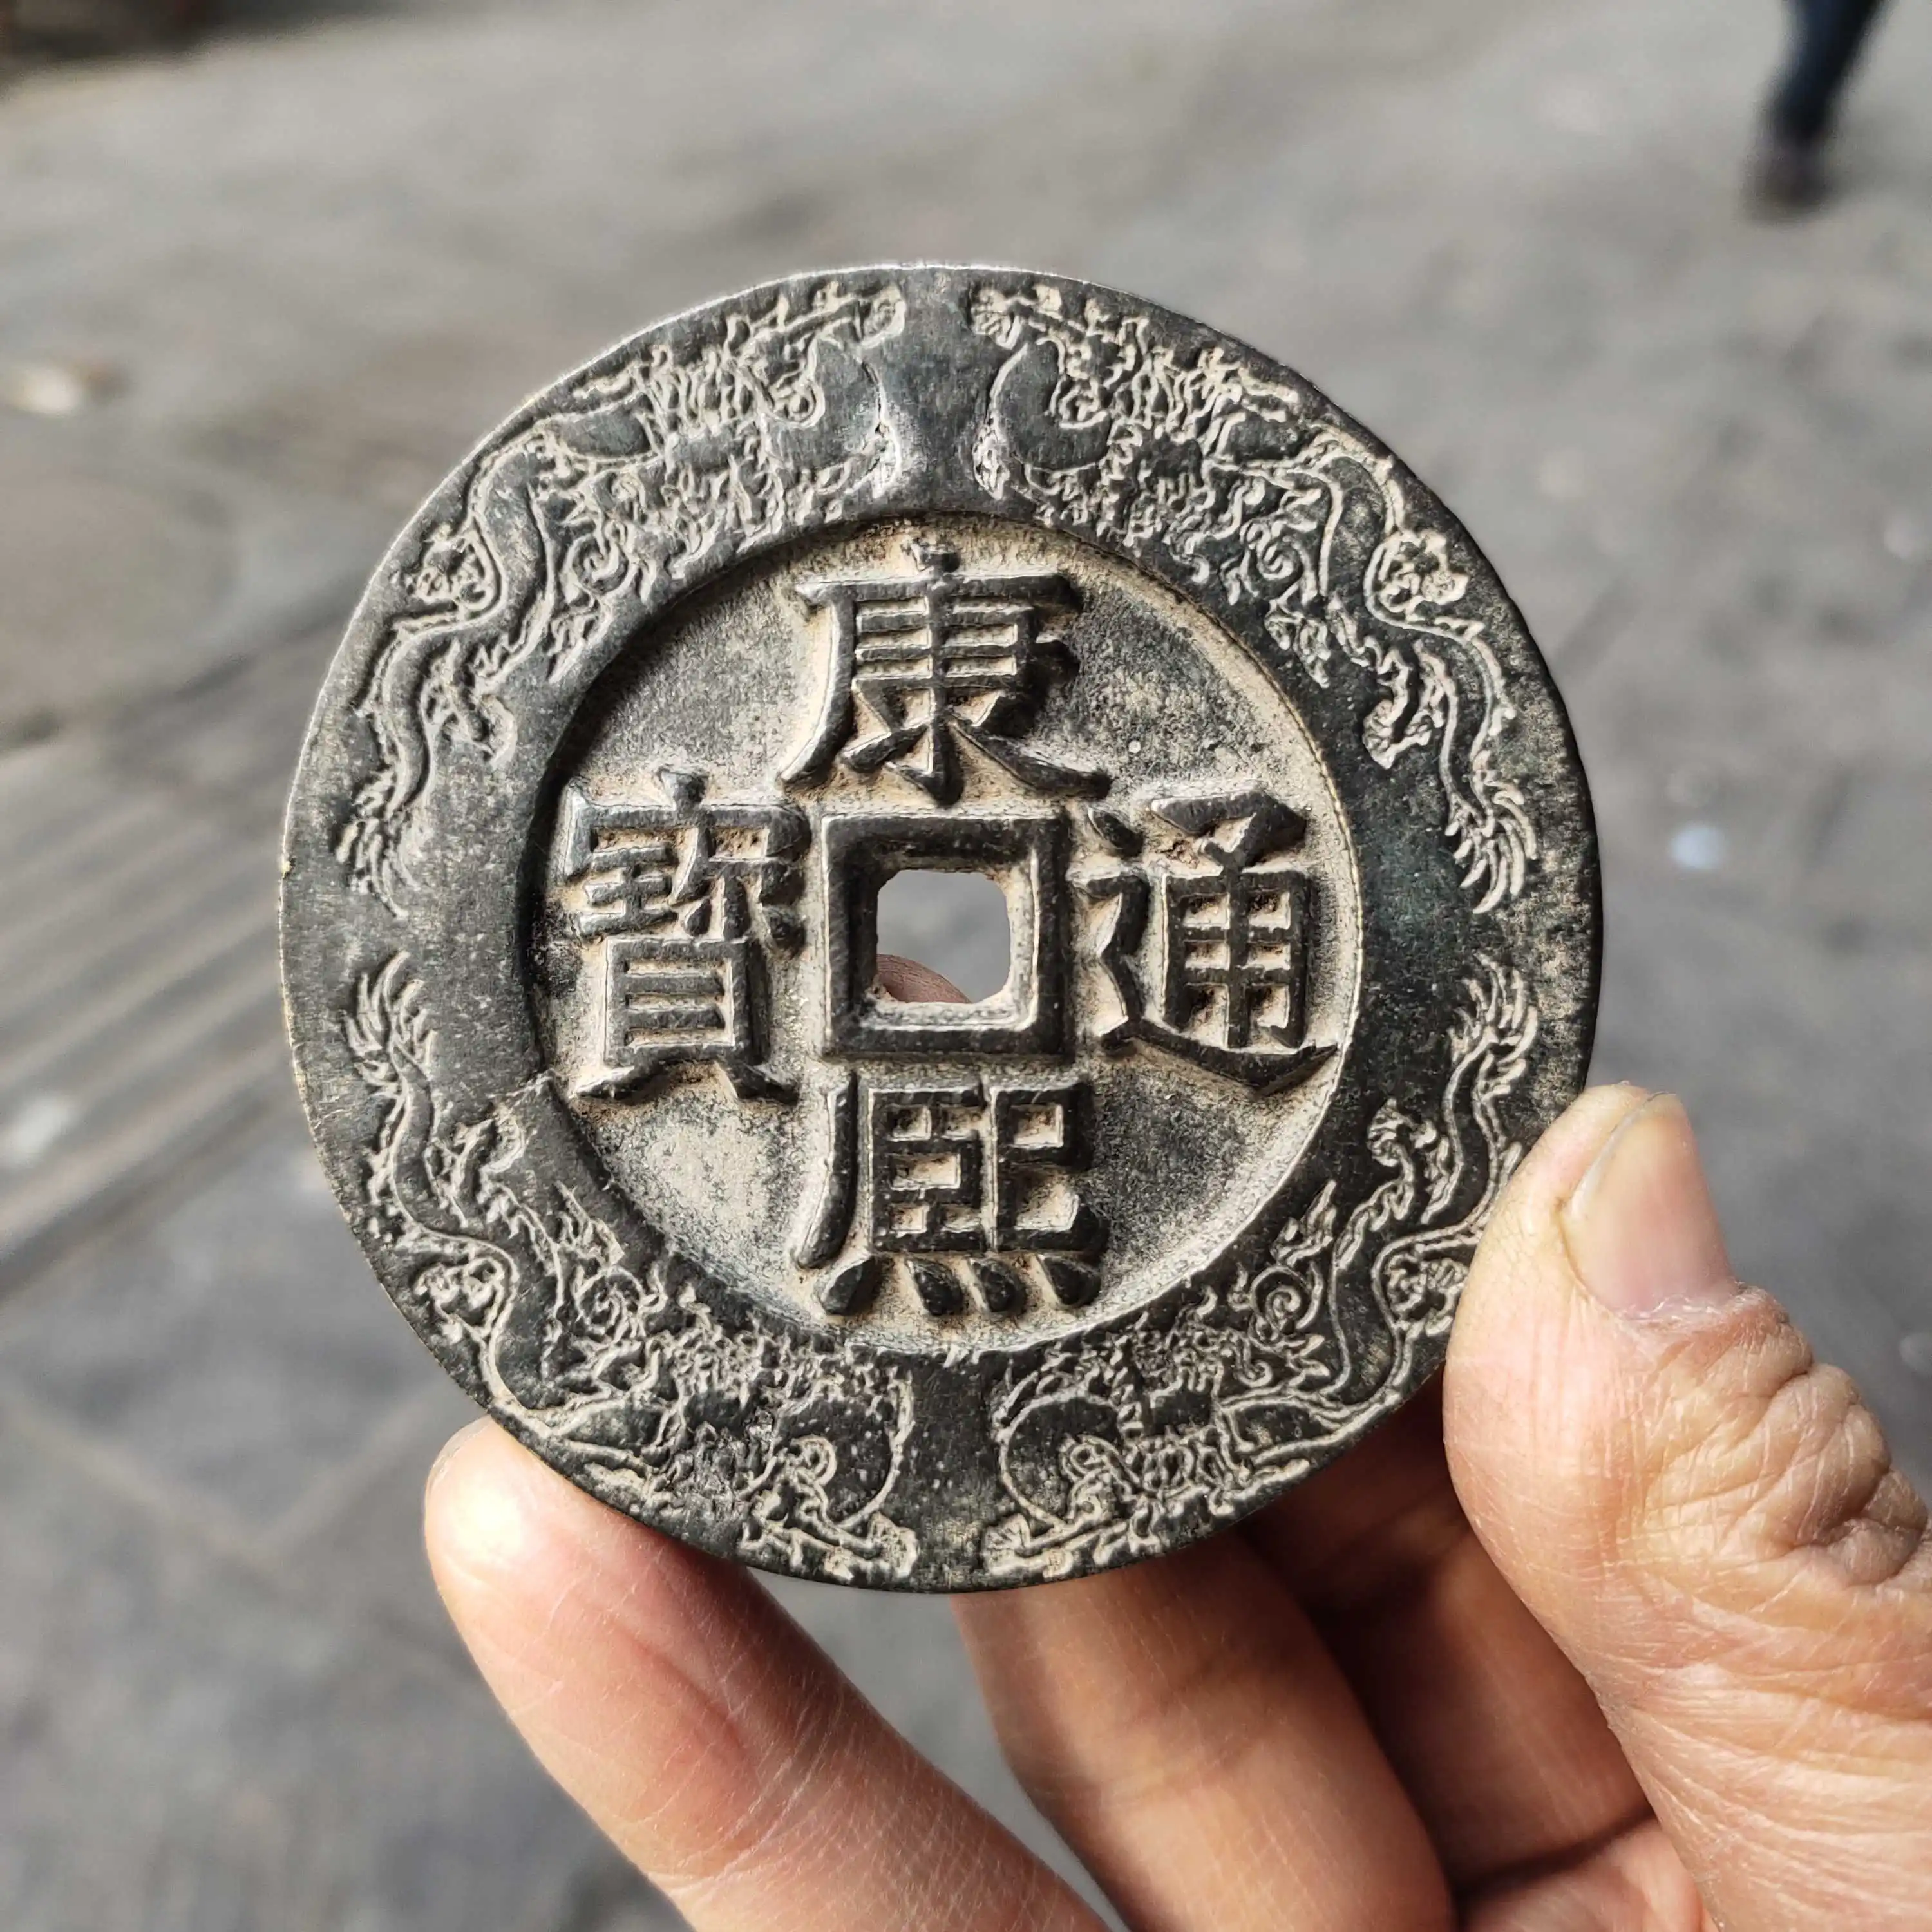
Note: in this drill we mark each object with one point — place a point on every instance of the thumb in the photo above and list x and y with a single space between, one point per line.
1707 1522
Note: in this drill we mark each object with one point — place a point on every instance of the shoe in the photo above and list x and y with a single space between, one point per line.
1787 176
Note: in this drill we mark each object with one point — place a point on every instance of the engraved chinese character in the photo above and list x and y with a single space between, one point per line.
922 664
666 895
924 1166
1232 931
963 1184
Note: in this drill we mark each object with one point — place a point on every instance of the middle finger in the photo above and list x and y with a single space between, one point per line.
1181 1724
1498 1741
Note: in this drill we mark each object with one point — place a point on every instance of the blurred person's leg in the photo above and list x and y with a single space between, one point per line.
1831 34
1789 172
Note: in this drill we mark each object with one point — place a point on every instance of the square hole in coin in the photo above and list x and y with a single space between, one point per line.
954 922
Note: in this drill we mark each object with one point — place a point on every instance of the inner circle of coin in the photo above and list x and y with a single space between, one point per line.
935 570
729 690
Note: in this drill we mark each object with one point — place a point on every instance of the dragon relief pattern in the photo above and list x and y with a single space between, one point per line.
1114 1449
670 463
630 1378
1108 432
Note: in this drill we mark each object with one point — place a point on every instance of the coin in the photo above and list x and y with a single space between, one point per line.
943 571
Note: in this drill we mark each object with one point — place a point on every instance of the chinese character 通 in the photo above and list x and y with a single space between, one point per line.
1233 939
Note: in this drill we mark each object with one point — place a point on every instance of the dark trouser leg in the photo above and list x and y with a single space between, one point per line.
1830 33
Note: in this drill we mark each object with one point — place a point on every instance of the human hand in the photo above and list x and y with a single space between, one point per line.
1630 1626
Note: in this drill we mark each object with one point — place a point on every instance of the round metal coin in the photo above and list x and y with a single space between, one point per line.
939 570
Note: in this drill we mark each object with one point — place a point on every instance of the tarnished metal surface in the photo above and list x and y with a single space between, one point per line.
918 569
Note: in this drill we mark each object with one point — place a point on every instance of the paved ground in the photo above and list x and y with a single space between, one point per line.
255 298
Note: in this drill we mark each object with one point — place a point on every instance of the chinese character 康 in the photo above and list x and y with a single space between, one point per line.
934 660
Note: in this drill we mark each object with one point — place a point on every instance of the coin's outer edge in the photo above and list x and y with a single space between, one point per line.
827 402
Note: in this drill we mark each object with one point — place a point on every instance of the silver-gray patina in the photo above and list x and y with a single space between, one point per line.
933 569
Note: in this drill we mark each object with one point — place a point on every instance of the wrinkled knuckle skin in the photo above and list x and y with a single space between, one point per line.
1769 1492
1777 1456
748 1828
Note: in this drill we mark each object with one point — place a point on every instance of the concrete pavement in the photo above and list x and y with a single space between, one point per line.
255 298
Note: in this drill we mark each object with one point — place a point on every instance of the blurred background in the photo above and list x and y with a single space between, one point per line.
263 281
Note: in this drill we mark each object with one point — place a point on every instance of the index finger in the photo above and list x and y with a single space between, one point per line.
701 1729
